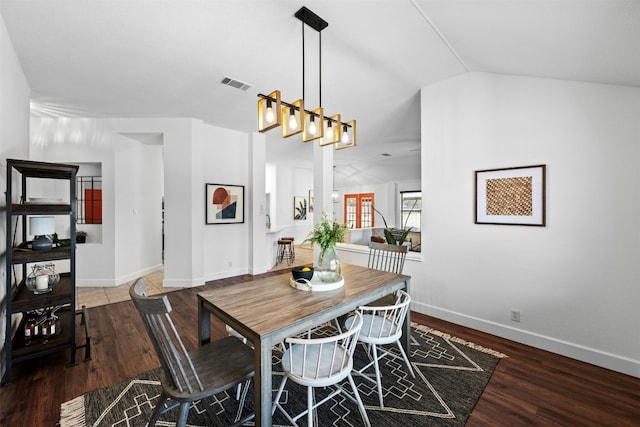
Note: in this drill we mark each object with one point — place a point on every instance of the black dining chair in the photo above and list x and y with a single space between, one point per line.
189 376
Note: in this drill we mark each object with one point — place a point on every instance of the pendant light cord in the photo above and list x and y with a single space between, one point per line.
320 68
303 71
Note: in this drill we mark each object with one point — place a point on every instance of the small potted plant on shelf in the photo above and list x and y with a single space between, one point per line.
81 236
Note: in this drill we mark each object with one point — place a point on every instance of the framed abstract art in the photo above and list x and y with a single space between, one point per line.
512 196
224 204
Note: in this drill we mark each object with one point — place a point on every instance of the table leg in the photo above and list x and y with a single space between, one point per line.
204 323
406 341
406 334
262 383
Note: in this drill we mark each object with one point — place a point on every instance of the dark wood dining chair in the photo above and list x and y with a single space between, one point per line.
189 376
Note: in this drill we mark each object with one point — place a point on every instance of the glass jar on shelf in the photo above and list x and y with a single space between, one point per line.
42 278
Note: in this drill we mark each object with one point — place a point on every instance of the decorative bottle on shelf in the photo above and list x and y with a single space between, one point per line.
45 330
29 326
34 330
53 324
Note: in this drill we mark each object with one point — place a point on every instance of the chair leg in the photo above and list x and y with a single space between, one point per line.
310 406
276 401
363 412
377 367
406 359
158 410
184 411
280 254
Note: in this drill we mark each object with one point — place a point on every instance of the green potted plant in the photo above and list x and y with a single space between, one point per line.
326 234
81 236
395 236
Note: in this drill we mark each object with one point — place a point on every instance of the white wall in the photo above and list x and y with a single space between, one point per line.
14 137
130 244
138 188
95 262
291 181
225 160
195 153
132 153
575 280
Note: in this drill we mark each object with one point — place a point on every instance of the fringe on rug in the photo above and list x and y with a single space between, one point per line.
459 340
72 413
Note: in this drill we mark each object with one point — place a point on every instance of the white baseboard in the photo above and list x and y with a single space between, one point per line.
224 274
585 354
102 283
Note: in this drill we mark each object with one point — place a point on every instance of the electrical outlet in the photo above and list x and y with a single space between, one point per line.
230 263
515 315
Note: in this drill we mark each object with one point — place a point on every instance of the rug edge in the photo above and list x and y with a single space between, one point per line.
72 413
459 340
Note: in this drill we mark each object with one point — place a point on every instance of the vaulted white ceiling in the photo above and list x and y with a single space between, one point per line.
142 58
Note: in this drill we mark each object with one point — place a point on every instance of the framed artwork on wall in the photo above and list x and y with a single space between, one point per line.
300 207
310 201
511 196
224 204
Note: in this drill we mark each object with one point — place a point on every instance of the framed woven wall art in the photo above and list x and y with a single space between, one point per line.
511 196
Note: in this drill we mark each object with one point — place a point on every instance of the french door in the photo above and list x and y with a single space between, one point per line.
358 210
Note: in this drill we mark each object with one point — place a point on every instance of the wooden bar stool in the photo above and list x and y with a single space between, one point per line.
293 247
285 251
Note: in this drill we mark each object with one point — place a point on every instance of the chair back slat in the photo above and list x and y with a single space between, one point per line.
322 358
174 359
387 257
385 322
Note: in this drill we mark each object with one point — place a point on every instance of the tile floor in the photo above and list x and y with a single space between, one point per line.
95 296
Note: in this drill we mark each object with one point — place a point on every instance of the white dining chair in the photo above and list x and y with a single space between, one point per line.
382 325
386 257
321 362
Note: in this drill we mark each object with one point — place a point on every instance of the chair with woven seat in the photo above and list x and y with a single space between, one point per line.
194 375
382 325
321 362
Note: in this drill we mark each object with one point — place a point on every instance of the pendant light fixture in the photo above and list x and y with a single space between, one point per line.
293 117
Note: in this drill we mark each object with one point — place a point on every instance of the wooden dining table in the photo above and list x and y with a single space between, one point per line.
268 310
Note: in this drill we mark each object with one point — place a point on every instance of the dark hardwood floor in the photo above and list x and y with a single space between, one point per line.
530 387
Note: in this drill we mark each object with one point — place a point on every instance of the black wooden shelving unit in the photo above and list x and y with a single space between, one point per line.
19 299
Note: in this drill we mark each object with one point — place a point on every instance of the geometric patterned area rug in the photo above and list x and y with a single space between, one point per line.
451 374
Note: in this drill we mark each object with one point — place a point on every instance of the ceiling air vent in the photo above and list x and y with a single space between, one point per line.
234 83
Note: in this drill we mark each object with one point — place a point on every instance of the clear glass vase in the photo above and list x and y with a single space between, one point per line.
328 268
